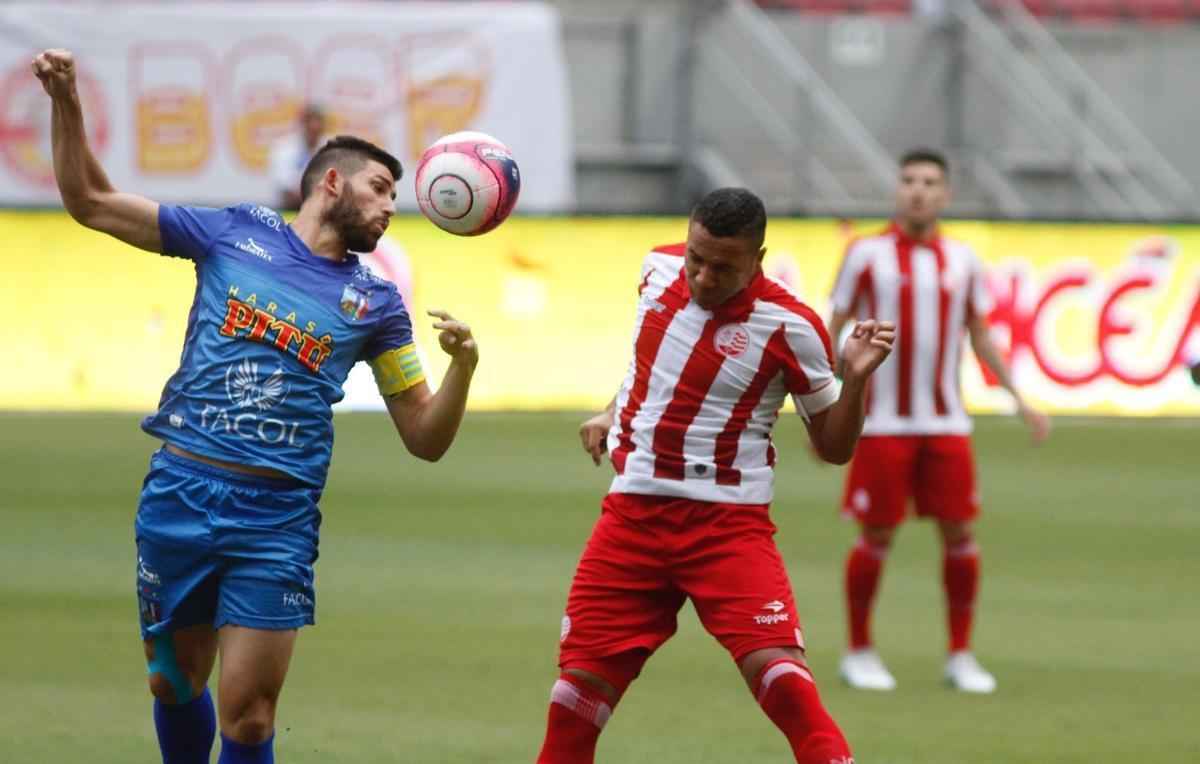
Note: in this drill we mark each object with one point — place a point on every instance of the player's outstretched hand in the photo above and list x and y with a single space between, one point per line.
868 345
594 435
55 68
1037 422
455 338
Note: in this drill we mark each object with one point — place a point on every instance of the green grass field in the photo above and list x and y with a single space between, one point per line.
440 589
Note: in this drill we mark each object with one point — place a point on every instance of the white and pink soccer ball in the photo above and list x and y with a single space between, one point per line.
467 183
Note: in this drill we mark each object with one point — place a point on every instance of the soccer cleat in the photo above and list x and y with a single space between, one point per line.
863 670
964 673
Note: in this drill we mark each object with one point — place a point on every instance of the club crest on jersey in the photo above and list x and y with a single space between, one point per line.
354 302
732 340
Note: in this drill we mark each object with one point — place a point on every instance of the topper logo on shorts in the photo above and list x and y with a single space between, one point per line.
777 616
731 340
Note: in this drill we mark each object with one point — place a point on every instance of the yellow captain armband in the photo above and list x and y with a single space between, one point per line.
397 370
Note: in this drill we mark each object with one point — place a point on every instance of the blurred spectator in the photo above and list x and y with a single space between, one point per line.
290 155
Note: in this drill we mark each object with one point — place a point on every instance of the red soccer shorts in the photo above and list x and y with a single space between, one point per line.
937 471
647 554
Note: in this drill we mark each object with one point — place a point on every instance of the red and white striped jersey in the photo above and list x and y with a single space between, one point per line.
704 388
930 289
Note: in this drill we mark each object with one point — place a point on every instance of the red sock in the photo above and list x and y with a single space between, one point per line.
787 692
577 714
863 569
960 577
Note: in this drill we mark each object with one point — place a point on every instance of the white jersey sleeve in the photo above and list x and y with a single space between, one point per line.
809 371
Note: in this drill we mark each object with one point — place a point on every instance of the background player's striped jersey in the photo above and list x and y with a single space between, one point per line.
704 388
930 290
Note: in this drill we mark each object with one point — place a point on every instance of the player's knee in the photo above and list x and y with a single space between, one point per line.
955 533
169 683
878 536
250 722
752 665
610 675
161 688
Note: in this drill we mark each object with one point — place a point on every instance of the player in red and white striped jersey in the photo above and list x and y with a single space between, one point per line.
916 437
718 348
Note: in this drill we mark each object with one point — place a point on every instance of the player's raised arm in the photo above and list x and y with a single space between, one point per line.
427 421
86 192
834 432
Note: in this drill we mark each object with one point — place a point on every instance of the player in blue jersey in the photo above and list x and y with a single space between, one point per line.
227 521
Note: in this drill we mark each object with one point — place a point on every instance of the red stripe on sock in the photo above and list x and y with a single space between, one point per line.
576 716
793 704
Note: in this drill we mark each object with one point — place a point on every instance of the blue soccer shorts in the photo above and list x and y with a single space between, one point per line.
219 547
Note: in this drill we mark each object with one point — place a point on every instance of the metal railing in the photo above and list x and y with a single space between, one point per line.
813 184
1072 143
1091 99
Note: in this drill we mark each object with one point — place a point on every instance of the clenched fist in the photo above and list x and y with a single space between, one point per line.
56 70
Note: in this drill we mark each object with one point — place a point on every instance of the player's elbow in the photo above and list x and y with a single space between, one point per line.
427 452
838 457
85 208
836 453
81 208
429 456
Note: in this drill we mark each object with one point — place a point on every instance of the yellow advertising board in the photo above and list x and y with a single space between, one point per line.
1097 319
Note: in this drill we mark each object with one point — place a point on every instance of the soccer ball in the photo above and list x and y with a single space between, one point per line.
467 183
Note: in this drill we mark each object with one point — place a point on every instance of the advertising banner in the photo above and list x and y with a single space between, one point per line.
1096 319
183 101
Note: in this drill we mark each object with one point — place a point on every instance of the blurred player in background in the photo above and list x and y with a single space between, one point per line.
718 348
291 154
227 521
915 440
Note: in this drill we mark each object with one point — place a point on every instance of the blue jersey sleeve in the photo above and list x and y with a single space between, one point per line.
392 352
189 232
394 330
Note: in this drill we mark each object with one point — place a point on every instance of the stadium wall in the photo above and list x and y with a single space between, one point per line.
1098 319
899 75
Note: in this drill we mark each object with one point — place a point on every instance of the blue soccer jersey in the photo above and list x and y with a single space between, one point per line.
272 335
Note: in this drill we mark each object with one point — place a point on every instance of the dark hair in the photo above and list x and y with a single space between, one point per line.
348 154
732 212
922 156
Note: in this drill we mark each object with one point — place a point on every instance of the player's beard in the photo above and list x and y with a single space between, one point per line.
351 224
